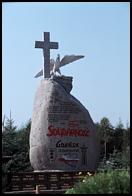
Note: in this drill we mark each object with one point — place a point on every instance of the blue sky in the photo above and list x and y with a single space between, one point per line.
99 31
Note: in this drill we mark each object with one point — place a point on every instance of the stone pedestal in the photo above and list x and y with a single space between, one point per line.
63 135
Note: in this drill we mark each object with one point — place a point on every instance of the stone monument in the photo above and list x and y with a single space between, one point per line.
63 135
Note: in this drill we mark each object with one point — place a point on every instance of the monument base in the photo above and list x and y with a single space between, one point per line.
63 136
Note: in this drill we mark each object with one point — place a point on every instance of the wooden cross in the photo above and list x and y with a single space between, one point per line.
46 45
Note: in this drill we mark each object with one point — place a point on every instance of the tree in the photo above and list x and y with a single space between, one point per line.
8 137
15 143
126 147
120 124
8 146
106 131
21 156
119 135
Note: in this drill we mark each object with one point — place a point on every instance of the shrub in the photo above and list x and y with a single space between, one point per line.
109 182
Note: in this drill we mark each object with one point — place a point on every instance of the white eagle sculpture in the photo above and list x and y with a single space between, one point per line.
55 65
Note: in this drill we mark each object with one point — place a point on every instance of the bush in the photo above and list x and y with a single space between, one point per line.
109 182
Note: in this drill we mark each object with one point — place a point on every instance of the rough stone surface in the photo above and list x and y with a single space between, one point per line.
63 135
64 81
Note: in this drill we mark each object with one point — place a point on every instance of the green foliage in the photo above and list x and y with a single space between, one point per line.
8 138
10 125
110 182
120 124
20 159
15 143
116 160
106 129
112 138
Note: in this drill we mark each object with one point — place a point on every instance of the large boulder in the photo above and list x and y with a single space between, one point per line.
63 135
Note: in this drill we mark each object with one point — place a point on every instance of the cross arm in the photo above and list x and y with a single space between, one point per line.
39 44
54 45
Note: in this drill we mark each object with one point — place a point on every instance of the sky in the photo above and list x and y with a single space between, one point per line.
99 31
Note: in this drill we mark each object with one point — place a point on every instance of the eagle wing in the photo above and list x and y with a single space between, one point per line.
69 59
39 74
